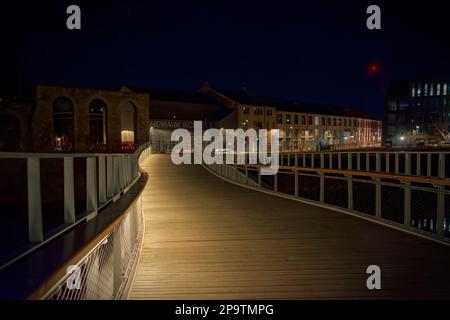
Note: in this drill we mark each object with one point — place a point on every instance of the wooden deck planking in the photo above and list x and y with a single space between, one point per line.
208 239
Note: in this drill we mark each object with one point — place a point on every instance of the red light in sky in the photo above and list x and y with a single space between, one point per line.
374 68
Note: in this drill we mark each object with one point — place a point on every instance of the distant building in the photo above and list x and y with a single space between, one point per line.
303 126
417 113
75 120
62 119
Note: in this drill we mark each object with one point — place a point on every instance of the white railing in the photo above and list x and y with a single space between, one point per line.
107 270
107 178
415 204
415 163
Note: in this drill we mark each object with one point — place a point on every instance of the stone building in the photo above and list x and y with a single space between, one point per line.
82 120
15 124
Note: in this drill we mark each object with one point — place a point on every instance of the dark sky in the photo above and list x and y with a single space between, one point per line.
315 51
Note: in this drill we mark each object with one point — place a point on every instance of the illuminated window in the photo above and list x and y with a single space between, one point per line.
288 119
419 90
438 89
63 129
426 90
413 91
316 120
127 122
432 89
280 118
97 122
444 90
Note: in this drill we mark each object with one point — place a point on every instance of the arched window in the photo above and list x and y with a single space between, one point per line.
63 124
97 122
127 122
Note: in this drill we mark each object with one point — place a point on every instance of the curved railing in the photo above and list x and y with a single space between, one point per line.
108 229
420 205
106 271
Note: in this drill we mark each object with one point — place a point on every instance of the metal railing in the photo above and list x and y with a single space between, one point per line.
60 191
107 270
415 204
105 273
414 163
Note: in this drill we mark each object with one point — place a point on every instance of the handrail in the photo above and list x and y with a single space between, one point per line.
336 189
55 286
115 175
417 179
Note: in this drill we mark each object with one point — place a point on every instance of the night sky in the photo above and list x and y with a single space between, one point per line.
316 51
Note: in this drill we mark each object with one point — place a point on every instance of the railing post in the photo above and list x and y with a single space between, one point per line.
259 178
350 161
304 160
331 160
121 172
275 183
117 260
296 160
407 204
378 197
441 170
378 162
110 188
339 161
101 180
91 185
350 192
408 164
418 164
35 227
322 161
388 163
312 160
69 191
397 156
367 161
117 175
296 183
289 160
125 170
322 187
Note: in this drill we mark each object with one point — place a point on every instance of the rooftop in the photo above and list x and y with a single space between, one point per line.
246 98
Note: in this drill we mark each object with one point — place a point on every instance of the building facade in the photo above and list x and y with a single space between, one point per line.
90 120
83 120
417 113
303 126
